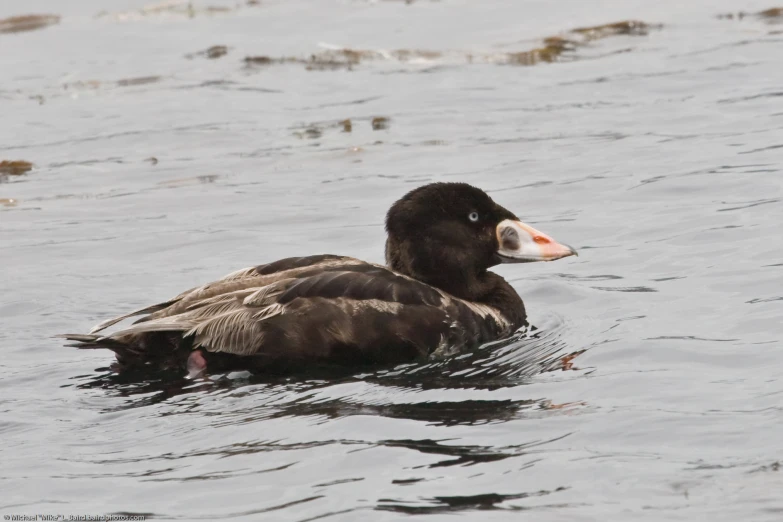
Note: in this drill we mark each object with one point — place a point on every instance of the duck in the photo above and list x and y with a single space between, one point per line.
435 295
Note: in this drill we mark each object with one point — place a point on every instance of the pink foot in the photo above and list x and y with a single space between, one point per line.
197 364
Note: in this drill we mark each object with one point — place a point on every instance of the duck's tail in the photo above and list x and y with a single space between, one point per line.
93 341
157 349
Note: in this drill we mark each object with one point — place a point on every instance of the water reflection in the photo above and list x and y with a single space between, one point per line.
451 504
465 455
468 412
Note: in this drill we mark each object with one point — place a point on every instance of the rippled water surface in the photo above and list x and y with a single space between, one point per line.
650 387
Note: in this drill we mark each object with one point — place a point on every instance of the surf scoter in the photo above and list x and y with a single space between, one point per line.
435 294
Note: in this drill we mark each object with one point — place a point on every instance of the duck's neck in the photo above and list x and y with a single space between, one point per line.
478 286
499 294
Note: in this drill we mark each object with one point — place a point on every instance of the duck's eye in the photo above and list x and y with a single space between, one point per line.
473 217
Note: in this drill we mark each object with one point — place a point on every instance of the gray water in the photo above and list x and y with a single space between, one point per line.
650 388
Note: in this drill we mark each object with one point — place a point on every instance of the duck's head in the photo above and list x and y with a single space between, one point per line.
448 234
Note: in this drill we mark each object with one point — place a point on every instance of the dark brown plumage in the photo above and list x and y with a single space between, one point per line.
435 296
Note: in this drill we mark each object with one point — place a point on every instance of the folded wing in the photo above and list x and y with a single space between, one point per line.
322 307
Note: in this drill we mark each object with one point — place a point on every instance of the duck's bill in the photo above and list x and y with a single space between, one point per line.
521 243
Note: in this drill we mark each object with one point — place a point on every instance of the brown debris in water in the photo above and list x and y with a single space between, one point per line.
407 55
316 130
775 12
8 202
771 15
629 27
142 80
19 24
214 52
549 405
556 46
82 85
311 133
15 168
554 49
345 58
186 8
332 59
329 60
380 123
259 60
194 180
335 59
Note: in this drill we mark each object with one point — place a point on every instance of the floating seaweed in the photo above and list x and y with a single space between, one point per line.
316 130
380 123
312 132
259 60
626 27
410 55
185 8
554 48
331 59
774 14
214 52
82 85
19 24
732 16
142 80
193 180
15 168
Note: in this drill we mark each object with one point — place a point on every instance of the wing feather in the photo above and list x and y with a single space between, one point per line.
235 331
114 320
305 307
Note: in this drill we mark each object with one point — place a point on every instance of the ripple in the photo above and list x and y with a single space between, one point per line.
749 204
624 288
764 300
687 338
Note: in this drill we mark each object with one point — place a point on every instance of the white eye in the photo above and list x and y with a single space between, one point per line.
473 216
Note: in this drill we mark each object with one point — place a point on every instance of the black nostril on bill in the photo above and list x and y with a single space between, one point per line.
509 239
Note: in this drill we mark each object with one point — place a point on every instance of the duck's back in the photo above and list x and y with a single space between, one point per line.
306 309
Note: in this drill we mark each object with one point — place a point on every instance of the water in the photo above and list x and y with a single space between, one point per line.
651 389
